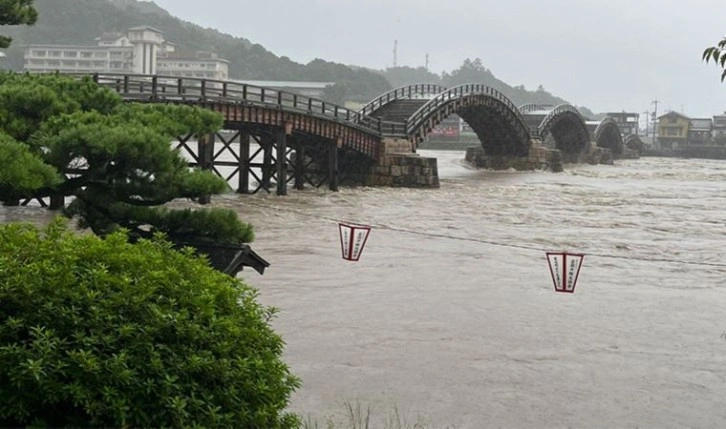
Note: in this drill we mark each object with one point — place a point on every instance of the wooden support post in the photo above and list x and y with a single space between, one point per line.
266 162
244 163
300 166
205 152
57 201
333 167
281 138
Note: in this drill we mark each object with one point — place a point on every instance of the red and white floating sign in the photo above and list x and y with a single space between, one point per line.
565 269
352 240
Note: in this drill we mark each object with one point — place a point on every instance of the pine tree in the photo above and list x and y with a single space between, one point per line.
69 137
16 12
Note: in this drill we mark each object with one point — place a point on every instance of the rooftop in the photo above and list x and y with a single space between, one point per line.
109 37
674 114
285 84
189 55
146 28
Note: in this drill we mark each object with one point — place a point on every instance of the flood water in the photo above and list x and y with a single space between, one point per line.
442 319
450 315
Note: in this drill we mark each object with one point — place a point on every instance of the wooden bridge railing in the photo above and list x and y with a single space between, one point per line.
603 125
562 108
404 92
195 90
457 92
532 108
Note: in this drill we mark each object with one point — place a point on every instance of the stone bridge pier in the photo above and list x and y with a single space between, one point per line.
539 157
399 166
594 155
396 165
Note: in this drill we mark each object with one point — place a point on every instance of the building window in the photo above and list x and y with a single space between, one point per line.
39 53
86 54
70 54
672 120
55 54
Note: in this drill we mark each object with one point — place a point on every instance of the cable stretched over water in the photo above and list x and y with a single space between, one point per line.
493 243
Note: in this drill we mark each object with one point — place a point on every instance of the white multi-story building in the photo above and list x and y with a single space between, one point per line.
141 50
204 65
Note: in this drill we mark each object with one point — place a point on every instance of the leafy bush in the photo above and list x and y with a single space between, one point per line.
102 333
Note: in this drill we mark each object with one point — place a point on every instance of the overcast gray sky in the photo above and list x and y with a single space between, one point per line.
608 55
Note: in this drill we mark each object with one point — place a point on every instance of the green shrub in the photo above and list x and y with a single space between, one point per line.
101 333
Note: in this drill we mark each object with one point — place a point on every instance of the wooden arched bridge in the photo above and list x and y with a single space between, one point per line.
307 140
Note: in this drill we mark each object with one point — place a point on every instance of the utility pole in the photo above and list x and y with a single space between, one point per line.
395 53
647 122
427 62
655 118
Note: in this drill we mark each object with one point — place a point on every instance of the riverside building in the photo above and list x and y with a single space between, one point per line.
141 50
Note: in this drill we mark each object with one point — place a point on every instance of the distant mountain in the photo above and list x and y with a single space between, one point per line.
81 21
474 71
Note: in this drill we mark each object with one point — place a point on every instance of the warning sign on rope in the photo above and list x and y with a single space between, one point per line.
352 240
565 269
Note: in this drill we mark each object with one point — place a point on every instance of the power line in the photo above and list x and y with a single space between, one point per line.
494 243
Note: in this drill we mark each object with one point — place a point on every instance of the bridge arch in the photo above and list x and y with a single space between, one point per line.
408 92
633 141
534 107
491 115
607 135
567 128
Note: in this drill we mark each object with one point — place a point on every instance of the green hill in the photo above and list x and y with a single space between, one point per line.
81 21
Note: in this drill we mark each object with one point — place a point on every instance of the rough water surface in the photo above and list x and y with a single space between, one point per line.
450 315
471 334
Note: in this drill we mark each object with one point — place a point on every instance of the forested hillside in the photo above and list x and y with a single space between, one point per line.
81 21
